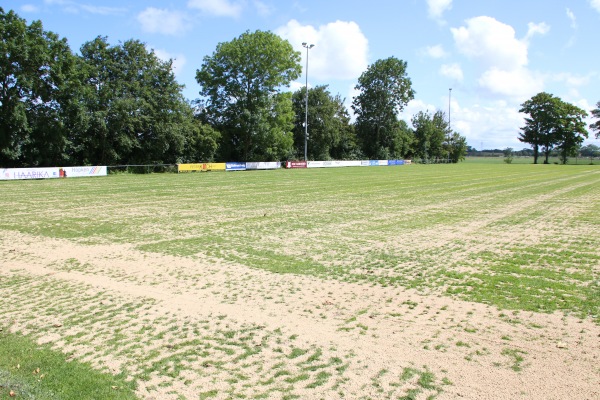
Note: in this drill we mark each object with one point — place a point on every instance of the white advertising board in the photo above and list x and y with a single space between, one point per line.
29 173
78 172
263 165
333 164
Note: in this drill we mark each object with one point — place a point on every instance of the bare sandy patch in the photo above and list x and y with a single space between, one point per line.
220 326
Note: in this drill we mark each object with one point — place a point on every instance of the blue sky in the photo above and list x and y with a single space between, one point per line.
494 54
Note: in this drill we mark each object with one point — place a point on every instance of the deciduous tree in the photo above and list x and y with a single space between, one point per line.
570 130
35 67
540 128
596 125
553 122
240 83
384 90
135 111
431 136
328 122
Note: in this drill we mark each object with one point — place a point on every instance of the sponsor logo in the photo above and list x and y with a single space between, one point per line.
296 164
235 166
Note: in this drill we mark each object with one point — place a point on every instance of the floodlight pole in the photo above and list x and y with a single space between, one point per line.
308 47
449 99
449 122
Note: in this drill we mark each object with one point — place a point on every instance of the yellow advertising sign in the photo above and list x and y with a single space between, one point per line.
201 167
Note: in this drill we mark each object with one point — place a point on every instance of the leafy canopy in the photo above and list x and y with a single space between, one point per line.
552 122
384 90
240 82
596 125
34 70
328 120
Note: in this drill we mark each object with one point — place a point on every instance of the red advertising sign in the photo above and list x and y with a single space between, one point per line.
295 164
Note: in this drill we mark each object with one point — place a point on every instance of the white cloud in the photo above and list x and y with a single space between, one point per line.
413 107
572 18
518 83
340 50
490 126
178 61
574 80
491 42
167 22
536 29
75 7
436 8
29 8
452 71
436 51
595 4
219 8
502 56
263 9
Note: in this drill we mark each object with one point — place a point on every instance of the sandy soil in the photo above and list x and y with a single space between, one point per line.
118 307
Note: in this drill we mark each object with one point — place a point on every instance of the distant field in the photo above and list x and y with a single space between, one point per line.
529 160
293 250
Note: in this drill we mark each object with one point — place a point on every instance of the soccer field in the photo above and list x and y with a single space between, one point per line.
423 281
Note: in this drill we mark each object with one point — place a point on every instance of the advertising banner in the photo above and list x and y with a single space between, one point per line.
295 164
407 162
333 164
29 173
263 165
314 164
365 163
76 172
395 162
373 163
235 166
201 167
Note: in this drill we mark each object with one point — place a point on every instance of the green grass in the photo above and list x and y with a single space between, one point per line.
529 160
32 371
517 236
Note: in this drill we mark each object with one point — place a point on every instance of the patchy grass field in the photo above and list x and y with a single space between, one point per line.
474 280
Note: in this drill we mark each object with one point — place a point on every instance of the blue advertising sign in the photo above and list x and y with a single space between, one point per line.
235 166
395 162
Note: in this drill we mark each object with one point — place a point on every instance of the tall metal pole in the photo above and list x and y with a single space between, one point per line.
449 122
449 98
308 47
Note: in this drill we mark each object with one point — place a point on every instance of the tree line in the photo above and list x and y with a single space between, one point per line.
555 125
121 104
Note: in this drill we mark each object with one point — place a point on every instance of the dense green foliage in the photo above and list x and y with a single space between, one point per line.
552 123
435 141
133 108
330 131
34 70
110 105
384 89
596 125
241 82
121 104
